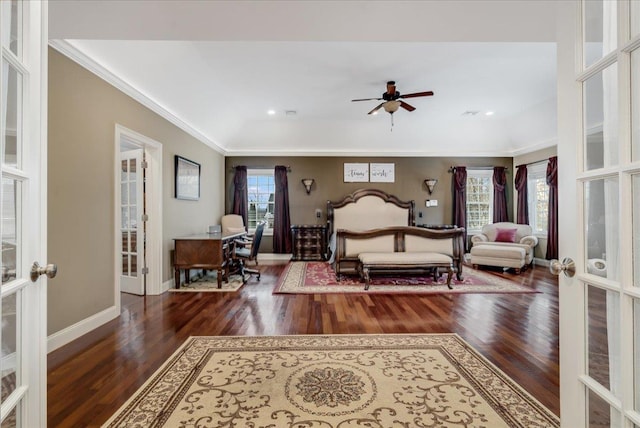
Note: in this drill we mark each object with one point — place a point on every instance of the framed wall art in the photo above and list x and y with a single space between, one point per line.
356 172
382 172
187 179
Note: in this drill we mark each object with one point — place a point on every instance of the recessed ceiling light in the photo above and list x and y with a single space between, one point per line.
271 112
470 113
489 113
290 112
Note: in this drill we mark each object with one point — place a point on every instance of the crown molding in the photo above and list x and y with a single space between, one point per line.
105 74
534 147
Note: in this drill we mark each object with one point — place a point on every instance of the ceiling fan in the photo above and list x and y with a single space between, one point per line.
393 99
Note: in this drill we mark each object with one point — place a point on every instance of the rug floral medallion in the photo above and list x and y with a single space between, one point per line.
338 381
319 277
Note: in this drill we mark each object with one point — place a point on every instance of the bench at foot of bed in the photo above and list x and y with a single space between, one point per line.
403 262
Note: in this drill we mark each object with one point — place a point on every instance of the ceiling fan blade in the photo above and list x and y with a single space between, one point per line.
376 109
366 99
417 94
406 106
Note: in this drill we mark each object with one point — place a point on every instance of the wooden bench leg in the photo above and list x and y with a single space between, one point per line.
449 275
365 275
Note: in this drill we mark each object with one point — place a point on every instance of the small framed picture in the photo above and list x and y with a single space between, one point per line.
187 179
356 172
382 173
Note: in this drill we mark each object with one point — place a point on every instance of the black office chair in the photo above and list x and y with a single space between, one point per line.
243 253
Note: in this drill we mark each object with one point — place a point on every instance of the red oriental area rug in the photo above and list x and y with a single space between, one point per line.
319 277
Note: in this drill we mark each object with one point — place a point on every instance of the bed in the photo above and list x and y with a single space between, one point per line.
362 210
371 220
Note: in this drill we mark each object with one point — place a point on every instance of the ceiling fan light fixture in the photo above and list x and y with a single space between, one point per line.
391 106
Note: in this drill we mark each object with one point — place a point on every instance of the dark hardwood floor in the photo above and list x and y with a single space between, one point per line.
90 378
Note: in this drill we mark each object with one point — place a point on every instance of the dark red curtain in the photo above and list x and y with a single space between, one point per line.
240 194
500 212
552 229
281 218
523 196
460 199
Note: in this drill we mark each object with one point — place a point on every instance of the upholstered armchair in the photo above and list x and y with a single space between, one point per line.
504 244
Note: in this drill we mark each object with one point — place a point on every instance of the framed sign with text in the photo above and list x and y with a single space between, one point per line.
382 172
356 172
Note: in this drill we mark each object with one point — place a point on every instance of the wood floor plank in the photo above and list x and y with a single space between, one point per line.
90 378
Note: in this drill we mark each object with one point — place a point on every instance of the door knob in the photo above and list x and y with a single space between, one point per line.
36 270
568 266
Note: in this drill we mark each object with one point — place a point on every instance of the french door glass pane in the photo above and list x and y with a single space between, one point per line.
12 103
603 337
601 119
12 25
635 18
602 227
600 29
635 103
635 183
599 413
10 230
11 421
8 355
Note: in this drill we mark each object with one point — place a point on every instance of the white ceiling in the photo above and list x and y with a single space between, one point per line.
219 66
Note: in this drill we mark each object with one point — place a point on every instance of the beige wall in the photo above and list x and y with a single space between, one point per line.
83 112
533 157
328 174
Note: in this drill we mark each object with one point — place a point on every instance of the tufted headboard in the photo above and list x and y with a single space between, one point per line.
367 209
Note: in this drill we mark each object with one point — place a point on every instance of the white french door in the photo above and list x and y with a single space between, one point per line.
23 308
132 227
599 206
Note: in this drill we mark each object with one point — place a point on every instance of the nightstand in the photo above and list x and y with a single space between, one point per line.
309 241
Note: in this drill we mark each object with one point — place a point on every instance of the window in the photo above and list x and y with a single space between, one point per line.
261 188
538 194
479 198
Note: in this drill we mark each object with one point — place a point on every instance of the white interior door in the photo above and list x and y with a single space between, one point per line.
599 195
132 226
23 306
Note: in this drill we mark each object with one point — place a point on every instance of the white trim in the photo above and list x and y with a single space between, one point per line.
274 256
167 285
153 150
81 328
534 147
105 74
540 262
365 152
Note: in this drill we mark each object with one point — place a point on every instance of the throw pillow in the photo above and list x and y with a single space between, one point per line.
506 235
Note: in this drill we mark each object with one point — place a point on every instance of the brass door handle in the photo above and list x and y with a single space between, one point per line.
568 266
36 270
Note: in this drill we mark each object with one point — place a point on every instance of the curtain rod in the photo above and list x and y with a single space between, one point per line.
453 168
531 163
232 168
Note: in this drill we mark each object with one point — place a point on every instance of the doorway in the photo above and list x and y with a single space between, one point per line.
138 214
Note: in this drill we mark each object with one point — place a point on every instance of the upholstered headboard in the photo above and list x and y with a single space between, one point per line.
367 209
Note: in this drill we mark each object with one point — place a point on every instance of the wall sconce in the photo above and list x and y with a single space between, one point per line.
308 182
431 184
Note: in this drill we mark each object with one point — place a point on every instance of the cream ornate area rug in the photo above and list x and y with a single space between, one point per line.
209 283
341 381
319 277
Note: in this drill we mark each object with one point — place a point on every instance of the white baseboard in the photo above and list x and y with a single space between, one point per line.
540 262
167 285
62 337
274 256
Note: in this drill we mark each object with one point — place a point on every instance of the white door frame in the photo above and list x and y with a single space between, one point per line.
153 154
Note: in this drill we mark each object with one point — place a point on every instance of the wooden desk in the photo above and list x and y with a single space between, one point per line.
209 251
